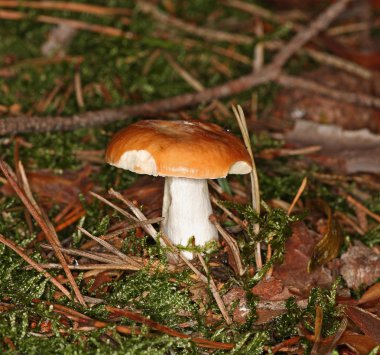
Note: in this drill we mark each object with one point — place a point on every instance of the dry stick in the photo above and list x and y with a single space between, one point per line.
140 216
318 329
194 83
269 72
162 328
236 219
80 25
67 6
47 228
78 89
253 9
357 204
41 62
93 267
328 59
117 208
240 117
233 246
111 248
85 254
258 57
122 230
350 221
298 195
194 30
346 96
134 225
35 266
215 292
337 62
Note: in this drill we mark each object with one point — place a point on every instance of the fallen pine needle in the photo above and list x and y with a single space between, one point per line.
35 265
44 224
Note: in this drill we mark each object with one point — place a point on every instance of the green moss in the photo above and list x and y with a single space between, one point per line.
158 295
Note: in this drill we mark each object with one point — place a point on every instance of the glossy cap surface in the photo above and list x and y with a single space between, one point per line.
191 149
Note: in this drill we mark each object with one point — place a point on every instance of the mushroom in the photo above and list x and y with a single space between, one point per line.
186 153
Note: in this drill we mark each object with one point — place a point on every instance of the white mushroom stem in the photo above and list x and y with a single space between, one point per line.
186 208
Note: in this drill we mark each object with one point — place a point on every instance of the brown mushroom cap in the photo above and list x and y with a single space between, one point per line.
189 149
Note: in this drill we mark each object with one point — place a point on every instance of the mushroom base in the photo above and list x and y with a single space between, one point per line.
186 208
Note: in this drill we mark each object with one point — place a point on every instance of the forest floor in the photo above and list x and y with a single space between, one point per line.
83 267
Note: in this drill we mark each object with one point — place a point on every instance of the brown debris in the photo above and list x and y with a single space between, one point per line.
293 271
360 266
52 188
367 322
297 103
272 290
148 192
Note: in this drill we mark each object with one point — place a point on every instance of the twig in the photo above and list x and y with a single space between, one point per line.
35 266
80 25
298 195
117 208
258 58
253 9
132 226
47 228
205 33
240 117
194 83
111 248
317 329
93 267
215 293
339 62
236 219
78 89
357 204
269 72
233 246
350 221
140 216
89 255
346 96
40 62
67 6
162 328
328 59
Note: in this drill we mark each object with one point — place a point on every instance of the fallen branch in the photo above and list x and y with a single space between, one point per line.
269 72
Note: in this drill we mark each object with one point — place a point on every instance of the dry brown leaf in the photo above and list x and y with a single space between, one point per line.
360 266
293 271
56 189
367 322
372 294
